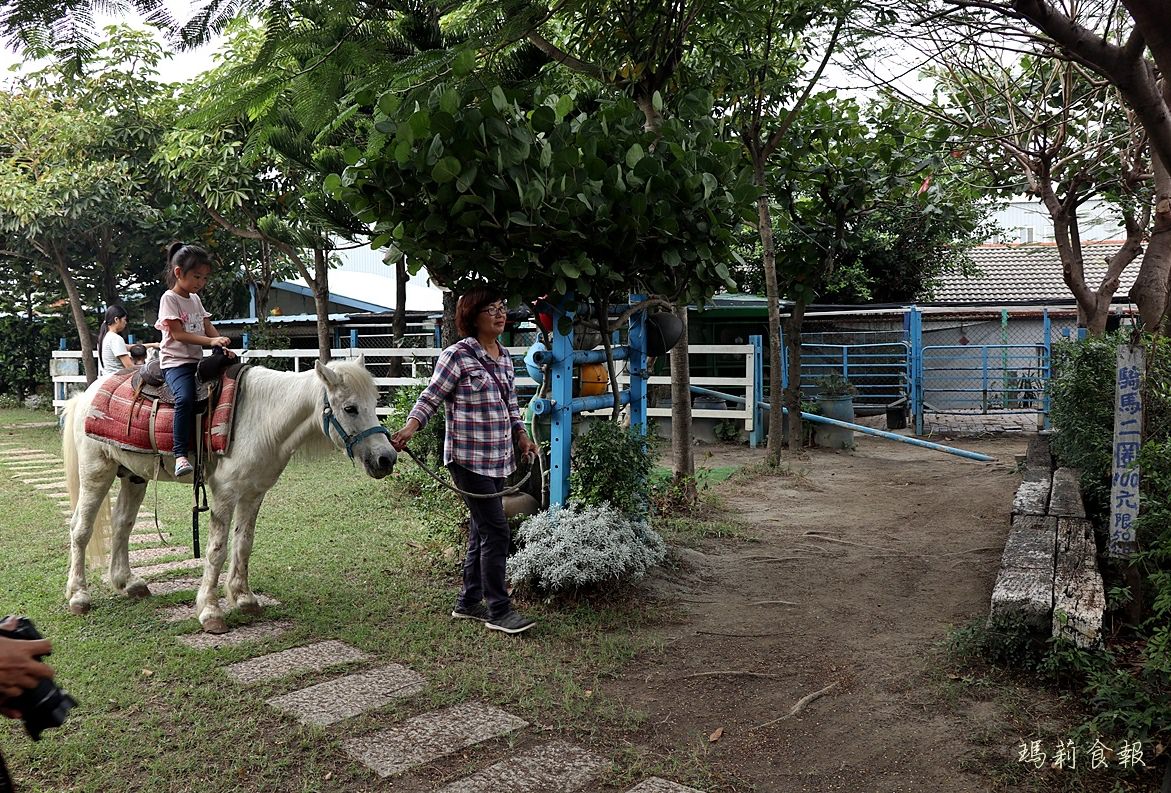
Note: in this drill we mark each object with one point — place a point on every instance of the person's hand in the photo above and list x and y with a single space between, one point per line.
221 341
528 448
401 438
19 667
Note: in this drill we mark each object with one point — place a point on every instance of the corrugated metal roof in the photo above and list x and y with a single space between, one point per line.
1019 273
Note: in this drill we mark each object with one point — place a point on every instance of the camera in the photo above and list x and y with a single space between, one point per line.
44 706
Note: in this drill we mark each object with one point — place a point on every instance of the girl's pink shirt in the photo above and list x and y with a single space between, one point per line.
189 311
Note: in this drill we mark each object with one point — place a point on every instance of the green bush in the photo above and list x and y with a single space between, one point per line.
268 337
1081 395
1127 683
427 445
24 355
612 464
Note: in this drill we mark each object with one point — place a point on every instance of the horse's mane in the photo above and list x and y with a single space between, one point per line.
294 389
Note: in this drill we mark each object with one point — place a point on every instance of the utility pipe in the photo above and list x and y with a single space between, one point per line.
892 436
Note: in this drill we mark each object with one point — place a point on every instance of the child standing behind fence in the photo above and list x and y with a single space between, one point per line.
186 331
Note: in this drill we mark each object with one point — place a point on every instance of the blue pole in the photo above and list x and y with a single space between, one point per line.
636 365
581 357
891 436
757 435
246 340
917 368
784 358
561 394
1046 368
353 338
984 378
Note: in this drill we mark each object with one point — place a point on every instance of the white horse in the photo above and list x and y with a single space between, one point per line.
277 414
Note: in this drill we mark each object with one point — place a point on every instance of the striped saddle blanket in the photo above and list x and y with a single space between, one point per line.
138 419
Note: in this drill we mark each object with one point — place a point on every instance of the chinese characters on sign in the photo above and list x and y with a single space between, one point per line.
1128 423
1127 755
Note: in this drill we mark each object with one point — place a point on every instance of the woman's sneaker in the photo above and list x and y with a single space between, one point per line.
183 466
476 612
510 622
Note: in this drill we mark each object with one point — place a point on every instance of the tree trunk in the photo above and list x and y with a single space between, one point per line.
320 286
1150 289
398 326
682 458
793 390
90 366
449 334
772 291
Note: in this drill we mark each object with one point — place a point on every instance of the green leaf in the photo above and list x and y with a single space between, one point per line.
399 232
445 170
420 122
449 101
332 184
498 99
709 185
435 150
671 257
388 103
402 152
520 219
657 101
696 104
352 154
464 63
563 107
633 155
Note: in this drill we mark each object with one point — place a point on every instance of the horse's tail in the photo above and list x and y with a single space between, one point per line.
97 550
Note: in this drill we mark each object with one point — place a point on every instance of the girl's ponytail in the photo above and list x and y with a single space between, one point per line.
185 257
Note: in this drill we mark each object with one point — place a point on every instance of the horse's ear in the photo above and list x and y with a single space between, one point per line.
362 360
327 375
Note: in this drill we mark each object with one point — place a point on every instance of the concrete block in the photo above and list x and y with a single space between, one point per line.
556 767
426 738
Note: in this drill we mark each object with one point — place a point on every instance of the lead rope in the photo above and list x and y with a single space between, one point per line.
505 492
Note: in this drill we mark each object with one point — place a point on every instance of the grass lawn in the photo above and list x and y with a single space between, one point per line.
349 558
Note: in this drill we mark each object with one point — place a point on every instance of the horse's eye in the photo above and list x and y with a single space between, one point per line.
352 409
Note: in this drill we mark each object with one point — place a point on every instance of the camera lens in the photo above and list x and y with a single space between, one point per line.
43 707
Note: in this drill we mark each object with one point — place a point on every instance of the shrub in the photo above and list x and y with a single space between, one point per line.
427 444
580 547
268 337
612 465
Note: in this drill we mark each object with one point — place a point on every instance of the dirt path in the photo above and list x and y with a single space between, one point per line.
879 552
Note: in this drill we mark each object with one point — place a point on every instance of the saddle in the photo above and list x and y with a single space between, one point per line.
134 409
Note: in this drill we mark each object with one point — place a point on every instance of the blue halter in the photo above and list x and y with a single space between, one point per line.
328 418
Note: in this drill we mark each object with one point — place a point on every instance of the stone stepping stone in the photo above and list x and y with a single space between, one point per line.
310 658
50 486
174 585
166 567
141 539
343 697
150 554
255 632
658 785
556 767
428 737
187 610
32 465
41 476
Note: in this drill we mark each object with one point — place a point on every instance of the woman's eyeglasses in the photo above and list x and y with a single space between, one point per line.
497 310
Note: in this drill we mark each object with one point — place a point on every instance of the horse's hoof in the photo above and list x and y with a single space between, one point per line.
215 625
138 590
250 607
79 608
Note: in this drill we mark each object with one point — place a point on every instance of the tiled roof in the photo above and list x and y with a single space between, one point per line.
1026 273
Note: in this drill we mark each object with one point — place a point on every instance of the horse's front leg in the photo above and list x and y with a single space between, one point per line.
130 497
93 490
207 606
239 594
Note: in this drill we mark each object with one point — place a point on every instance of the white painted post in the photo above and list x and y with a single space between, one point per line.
1128 423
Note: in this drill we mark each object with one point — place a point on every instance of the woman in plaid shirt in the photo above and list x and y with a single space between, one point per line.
473 381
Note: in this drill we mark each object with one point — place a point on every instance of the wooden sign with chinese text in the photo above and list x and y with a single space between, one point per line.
1128 425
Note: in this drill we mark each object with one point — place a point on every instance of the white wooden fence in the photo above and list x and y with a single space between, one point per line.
419 361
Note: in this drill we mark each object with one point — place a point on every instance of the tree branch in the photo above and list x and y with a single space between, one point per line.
564 58
775 139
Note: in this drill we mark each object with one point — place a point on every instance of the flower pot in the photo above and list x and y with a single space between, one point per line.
830 437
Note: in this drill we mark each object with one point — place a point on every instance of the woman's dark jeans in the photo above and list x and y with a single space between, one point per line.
488 539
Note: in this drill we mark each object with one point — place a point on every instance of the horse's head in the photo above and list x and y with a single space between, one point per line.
349 418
